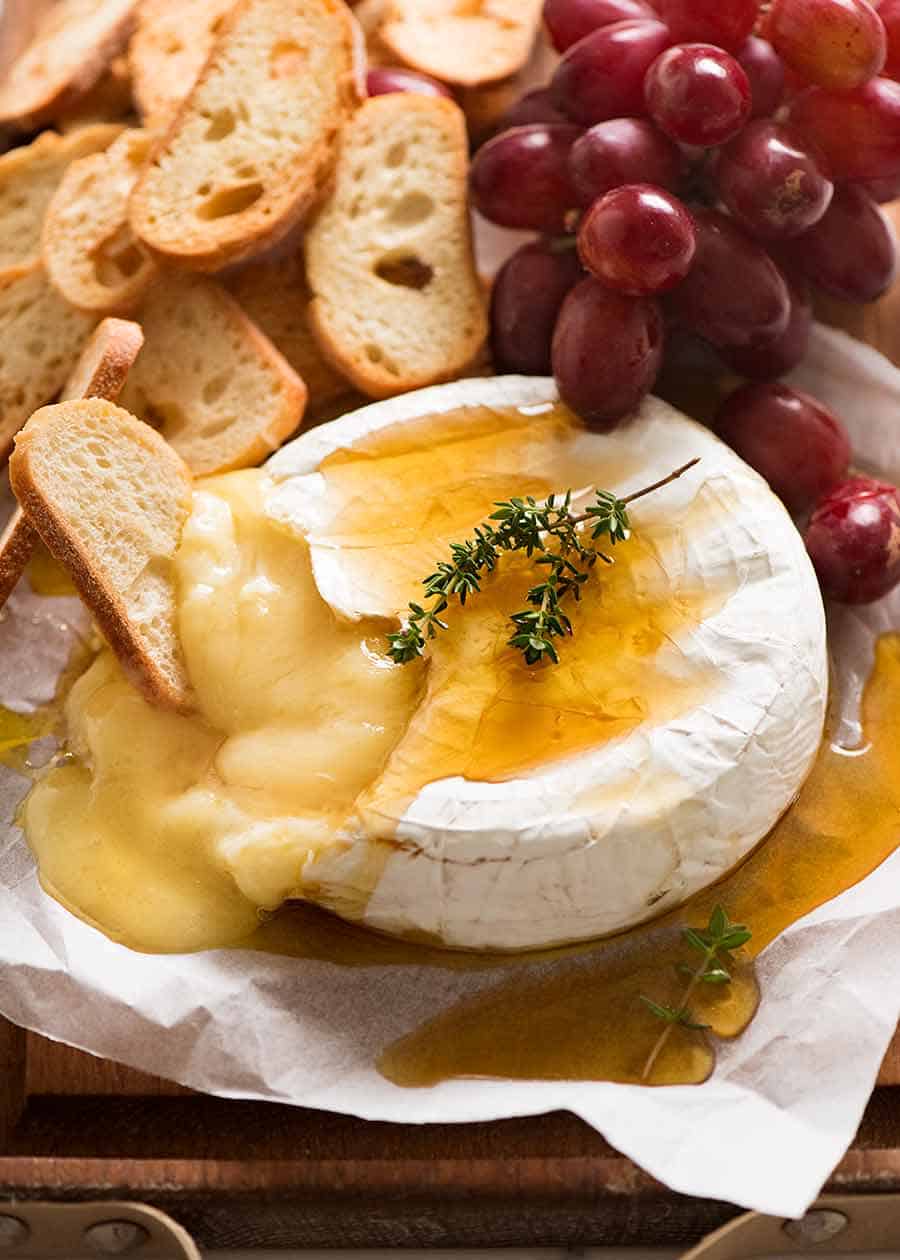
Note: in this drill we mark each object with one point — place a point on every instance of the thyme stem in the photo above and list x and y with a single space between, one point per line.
546 530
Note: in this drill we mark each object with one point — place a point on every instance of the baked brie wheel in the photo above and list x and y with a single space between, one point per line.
466 798
728 726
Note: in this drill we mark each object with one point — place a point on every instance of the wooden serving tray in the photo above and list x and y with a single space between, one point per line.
73 1127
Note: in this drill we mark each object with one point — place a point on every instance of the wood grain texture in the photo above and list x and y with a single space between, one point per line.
240 1174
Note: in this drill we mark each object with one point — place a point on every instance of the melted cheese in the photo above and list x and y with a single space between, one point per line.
472 801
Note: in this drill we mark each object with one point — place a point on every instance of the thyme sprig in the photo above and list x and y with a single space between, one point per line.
714 944
564 547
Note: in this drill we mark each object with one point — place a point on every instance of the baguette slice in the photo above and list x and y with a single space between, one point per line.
75 42
41 337
463 44
29 176
217 389
103 366
170 47
89 250
17 543
109 498
396 300
253 146
100 373
276 297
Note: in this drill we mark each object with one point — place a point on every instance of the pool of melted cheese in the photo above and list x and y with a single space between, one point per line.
174 833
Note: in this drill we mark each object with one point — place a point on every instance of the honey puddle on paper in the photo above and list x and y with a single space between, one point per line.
569 1014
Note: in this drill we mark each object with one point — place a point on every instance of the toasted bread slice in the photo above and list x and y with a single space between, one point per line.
100 373
41 337
75 42
276 297
396 299
109 498
169 48
253 146
89 250
17 543
217 389
463 44
29 176
103 366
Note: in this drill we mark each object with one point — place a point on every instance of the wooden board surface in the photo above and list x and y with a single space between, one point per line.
256 1174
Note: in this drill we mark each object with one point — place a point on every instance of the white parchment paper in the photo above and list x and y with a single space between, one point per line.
248 1025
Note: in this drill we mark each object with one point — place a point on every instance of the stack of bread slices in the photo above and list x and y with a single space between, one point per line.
196 195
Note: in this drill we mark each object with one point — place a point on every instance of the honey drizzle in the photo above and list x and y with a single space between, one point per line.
581 1018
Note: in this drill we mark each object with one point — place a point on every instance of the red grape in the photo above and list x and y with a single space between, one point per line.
528 292
881 190
889 12
533 107
622 151
800 448
697 94
851 252
770 184
607 352
852 540
637 240
765 70
568 21
734 295
602 76
771 359
836 44
726 23
520 179
382 80
854 136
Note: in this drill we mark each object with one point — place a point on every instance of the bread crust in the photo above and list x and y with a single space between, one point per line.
17 542
275 297
100 373
106 360
106 605
296 183
29 99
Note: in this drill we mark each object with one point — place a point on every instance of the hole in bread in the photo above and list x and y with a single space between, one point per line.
229 201
214 427
376 355
215 388
173 45
168 417
396 154
404 270
287 59
117 259
221 124
413 208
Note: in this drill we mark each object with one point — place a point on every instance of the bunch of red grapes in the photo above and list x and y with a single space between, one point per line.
693 168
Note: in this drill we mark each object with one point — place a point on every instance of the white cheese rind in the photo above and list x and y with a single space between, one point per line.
666 810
